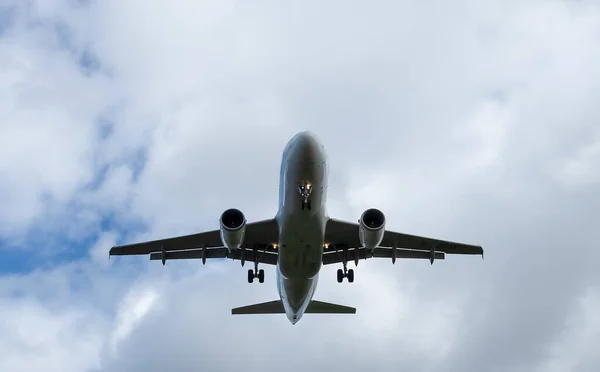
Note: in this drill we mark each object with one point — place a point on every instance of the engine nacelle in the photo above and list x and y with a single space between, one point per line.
233 228
371 228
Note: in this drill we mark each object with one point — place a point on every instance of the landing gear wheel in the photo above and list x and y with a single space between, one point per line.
250 275
261 276
308 205
345 273
350 275
340 276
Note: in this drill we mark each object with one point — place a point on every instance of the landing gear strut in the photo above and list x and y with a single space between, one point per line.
256 273
345 273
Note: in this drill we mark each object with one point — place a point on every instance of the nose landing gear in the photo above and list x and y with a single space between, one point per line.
305 189
306 204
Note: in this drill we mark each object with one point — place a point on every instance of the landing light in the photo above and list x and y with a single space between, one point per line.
275 246
326 245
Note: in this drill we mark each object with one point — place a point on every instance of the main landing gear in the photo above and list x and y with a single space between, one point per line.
305 189
256 273
260 274
345 273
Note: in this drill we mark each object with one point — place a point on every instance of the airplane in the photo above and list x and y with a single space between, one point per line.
300 239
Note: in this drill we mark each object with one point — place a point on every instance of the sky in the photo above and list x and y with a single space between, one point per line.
469 121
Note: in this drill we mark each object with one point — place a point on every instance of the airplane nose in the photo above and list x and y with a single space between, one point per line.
307 142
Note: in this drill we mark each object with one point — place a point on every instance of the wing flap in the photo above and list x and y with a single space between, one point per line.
384 252
268 258
220 252
333 257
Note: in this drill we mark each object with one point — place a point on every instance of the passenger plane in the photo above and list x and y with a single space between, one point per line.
299 239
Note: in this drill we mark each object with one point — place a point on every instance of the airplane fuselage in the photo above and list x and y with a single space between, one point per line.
301 225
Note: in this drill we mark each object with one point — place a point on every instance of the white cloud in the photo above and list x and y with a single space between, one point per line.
469 121
580 169
132 309
575 344
34 337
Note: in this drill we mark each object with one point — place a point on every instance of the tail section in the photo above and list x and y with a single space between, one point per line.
276 307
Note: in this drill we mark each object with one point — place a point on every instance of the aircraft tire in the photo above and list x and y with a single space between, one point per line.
350 275
250 276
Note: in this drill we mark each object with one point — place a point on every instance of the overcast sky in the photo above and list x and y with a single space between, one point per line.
473 121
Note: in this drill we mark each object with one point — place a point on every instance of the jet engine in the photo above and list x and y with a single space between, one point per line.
233 228
371 228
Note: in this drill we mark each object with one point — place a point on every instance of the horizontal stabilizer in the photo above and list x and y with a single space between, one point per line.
276 307
318 307
271 307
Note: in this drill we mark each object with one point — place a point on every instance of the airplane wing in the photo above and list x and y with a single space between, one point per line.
261 234
342 235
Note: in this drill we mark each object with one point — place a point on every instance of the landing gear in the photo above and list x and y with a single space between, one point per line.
305 189
256 273
346 273
260 274
306 204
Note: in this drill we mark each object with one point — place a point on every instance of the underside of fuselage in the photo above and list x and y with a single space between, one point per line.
302 218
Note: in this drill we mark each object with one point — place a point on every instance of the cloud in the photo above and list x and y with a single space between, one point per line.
136 120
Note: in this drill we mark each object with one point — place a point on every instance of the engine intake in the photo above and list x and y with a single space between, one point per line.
233 228
371 228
